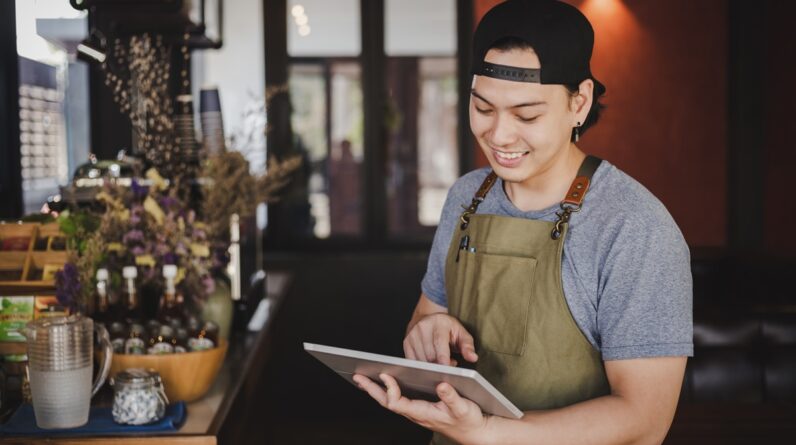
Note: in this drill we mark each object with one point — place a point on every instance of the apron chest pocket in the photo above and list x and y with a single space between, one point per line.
497 302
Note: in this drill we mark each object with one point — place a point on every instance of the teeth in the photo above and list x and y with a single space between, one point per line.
508 155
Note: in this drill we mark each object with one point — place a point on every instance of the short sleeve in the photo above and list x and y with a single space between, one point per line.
433 284
645 302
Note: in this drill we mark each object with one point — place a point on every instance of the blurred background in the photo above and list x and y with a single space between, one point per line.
372 95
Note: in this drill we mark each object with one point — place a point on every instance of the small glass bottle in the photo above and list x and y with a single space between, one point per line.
181 340
152 327
163 343
194 326
136 342
206 338
102 311
134 314
170 309
118 334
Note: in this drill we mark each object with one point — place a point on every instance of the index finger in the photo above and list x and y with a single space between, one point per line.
442 347
466 345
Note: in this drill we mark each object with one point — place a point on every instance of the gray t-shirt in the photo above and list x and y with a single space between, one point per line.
625 268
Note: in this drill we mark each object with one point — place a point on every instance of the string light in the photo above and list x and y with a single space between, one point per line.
301 19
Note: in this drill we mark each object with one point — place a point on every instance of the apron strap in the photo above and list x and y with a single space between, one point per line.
577 192
489 181
581 183
571 203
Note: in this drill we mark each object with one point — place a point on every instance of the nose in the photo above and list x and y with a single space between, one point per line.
502 132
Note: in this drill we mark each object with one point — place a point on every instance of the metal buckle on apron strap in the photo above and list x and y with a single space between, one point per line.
465 217
563 218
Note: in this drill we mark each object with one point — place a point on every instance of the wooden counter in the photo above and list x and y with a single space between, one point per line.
216 417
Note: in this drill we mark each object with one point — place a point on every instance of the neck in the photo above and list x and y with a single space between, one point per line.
549 184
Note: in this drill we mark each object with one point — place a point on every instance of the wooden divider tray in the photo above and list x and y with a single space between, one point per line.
30 267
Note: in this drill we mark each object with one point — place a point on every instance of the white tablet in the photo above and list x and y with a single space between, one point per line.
417 379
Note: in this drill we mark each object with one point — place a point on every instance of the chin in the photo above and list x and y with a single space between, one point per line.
513 174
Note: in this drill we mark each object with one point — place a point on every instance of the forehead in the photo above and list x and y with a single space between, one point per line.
520 58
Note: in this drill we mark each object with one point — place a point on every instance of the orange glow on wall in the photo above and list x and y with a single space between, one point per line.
665 68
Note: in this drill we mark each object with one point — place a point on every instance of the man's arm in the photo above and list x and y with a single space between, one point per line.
424 307
639 410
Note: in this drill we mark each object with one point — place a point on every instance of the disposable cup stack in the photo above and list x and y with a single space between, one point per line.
212 123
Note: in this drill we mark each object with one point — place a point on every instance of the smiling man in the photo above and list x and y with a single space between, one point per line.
564 281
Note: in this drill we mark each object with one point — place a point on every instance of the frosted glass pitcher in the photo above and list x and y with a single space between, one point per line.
60 359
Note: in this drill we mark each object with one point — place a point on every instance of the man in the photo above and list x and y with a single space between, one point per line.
565 282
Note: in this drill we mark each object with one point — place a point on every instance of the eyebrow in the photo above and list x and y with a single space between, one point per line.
524 104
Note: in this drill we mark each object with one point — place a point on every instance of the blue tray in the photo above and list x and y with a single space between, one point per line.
100 423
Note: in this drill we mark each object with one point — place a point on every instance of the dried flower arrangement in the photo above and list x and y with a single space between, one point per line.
146 225
232 189
151 223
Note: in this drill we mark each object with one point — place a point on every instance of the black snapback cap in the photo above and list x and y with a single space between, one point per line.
559 33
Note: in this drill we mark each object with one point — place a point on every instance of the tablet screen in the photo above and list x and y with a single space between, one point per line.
417 379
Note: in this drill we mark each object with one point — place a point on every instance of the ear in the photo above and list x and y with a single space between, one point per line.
581 101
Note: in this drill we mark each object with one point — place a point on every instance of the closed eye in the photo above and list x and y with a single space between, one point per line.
527 119
483 110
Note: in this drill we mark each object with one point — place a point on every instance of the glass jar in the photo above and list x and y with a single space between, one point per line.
138 397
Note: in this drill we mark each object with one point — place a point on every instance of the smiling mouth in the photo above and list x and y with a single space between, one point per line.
510 155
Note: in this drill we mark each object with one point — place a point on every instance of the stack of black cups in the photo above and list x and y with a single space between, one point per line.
212 124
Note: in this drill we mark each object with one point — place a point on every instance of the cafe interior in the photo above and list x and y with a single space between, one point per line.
293 158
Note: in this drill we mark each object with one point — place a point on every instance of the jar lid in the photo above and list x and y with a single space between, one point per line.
138 377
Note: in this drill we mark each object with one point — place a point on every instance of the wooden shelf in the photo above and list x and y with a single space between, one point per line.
30 260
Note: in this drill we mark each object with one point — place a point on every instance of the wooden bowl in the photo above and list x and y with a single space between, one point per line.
185 376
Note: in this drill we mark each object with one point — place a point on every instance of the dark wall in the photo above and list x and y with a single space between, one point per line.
10 169
779 160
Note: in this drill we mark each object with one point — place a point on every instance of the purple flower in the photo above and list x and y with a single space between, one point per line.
161 249
137 250
133 236
139 191
67 285
170 258
167 202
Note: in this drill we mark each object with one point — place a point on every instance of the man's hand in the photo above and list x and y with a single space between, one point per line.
453 416
430 340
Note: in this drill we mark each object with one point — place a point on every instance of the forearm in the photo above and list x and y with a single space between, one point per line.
424 307
606 420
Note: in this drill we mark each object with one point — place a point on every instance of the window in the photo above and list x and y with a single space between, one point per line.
358 189
422 104
53 97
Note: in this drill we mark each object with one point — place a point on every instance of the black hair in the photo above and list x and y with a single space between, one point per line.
512 43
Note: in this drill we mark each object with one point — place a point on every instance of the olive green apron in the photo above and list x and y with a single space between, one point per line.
503 282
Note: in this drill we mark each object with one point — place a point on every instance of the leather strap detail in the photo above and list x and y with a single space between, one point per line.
571 203
489 181
577 191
